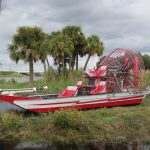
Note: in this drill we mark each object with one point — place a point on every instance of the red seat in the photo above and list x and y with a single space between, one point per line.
71 90
101 71
100 88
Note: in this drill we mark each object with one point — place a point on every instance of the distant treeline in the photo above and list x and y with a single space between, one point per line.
146 59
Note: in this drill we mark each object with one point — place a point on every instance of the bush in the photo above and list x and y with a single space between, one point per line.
1 121
68 119
11 121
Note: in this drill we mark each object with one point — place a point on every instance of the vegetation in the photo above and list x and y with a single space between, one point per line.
55 82
31 44
79 42
66 127
94 46
118 124
146 59
25 46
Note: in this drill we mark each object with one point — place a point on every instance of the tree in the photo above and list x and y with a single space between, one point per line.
100 60
61 46
94 46
25 46
79 42
44 52
146 59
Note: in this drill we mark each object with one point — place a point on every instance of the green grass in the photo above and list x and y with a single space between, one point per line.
55 82
117 124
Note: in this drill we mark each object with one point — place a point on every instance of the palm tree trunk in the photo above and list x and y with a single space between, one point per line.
77 61
63 65
47 63
73 62
70 63
44 64
87 62
31 72
59 65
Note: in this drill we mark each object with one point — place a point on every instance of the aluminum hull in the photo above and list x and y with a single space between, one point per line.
39 104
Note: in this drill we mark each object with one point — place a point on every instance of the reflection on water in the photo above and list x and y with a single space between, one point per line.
109 146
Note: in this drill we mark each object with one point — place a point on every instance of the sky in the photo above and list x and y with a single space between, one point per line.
118 23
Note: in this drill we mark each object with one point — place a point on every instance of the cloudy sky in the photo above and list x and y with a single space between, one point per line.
119 23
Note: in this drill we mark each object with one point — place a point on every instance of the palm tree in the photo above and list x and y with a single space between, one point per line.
25 46
45 51
79 42
94 46
60 47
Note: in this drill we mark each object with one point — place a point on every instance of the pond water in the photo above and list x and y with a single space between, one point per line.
4 107
95 146
20 79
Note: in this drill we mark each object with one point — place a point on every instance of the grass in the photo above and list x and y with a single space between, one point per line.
55 83
117 124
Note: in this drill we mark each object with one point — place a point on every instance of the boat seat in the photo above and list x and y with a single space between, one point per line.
79 84
101 72
100 88
71 90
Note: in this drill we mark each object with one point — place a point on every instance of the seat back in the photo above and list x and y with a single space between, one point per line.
100 88
79 84
69 91
101 71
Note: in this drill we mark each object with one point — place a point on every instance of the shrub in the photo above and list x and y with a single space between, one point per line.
12 121
68 119
1 121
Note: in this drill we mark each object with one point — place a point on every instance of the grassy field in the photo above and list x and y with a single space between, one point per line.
116 124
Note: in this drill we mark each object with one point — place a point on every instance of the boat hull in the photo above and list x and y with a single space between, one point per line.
35 104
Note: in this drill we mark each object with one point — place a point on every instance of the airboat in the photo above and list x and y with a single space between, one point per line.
117 80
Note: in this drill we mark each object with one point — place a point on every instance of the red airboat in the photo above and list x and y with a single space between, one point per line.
117 80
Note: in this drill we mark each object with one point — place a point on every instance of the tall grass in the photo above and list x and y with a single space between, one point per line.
55 82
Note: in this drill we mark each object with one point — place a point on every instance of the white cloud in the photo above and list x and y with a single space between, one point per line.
119 23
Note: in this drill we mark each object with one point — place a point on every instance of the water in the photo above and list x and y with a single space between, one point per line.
94 146
7 106
20 79
4 107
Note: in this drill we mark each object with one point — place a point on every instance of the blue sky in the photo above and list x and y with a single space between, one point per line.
119 23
